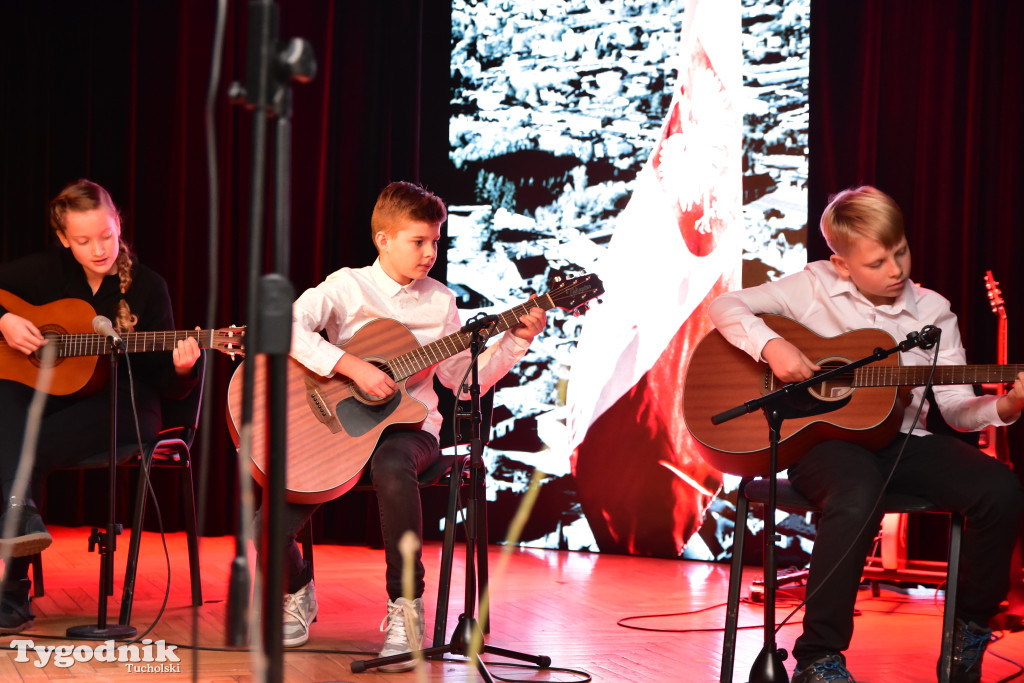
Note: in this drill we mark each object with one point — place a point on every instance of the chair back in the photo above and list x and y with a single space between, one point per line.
179 418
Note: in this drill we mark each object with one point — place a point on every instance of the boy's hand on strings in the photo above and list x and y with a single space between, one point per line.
787 361
368 377
531 324
20 333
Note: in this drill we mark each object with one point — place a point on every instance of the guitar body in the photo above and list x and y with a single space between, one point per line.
721 376
78 374
332 428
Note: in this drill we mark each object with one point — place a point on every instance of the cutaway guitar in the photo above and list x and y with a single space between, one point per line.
78 368
333 427
864 406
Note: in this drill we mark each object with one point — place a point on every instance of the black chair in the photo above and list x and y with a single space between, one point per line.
787 498
171 448
449 471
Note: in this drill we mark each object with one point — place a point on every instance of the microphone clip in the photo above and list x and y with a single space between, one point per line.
479 322
927 338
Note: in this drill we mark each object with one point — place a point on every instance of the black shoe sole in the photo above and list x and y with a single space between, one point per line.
23 546
8 630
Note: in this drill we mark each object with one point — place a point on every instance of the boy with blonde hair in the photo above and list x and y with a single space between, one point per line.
866 284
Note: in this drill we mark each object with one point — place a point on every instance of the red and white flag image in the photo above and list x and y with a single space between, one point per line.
676 245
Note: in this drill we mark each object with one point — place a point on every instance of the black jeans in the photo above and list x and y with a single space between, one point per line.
395 466
845 481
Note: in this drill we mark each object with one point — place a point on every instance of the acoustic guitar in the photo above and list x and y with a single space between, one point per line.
864 406
67 325
333 426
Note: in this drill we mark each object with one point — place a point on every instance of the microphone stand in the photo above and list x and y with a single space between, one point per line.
462 636
768 667
106 539
271 65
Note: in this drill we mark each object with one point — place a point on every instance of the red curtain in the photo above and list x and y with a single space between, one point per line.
925 99
115 90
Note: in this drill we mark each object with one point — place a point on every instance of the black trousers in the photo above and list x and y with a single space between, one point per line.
845 480
395 466
74 429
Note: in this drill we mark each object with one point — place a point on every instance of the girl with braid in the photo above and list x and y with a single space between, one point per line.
90 262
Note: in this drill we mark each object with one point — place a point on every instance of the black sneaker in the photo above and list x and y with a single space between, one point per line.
30 537
15 611
969 643
829 668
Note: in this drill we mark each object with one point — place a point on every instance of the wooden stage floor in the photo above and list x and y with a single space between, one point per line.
562 604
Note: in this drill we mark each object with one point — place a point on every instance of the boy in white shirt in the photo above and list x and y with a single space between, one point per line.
406 228
866 284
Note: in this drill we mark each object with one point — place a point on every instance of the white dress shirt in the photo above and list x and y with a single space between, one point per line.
351 297
829 304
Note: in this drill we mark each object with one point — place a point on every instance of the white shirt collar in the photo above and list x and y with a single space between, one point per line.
388 286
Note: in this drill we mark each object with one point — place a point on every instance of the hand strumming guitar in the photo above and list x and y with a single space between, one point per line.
787 361
20 333
368 377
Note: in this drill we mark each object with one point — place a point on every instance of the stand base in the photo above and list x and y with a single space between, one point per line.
768 667
94 632
458 646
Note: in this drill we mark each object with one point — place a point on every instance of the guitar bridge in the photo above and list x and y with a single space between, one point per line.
319 406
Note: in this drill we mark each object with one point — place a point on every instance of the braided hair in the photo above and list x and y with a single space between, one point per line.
85 195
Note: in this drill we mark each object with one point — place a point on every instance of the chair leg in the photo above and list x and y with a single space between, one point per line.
732 611
128 592
307 545
447 555
956 532
192 535
37 575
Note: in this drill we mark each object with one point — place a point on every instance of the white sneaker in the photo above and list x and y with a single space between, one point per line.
404 628
299 611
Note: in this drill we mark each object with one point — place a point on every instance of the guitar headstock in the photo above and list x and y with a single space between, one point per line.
995 296
229 340
573 293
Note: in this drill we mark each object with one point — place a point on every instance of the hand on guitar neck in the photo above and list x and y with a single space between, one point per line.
377 384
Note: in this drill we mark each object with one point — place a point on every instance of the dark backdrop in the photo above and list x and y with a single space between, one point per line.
922 98
925 99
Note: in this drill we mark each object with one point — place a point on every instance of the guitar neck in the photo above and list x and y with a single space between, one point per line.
408 364
917 375
71 345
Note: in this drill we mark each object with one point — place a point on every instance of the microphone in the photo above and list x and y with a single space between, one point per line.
102 326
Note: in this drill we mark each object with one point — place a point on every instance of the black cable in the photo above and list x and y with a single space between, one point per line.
623 622
144 472
212 283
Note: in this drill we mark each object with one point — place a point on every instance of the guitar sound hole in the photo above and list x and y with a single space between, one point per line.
835 388
53 335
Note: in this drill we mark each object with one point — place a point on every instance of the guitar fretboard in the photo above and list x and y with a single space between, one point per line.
91 344
421 358
917 375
